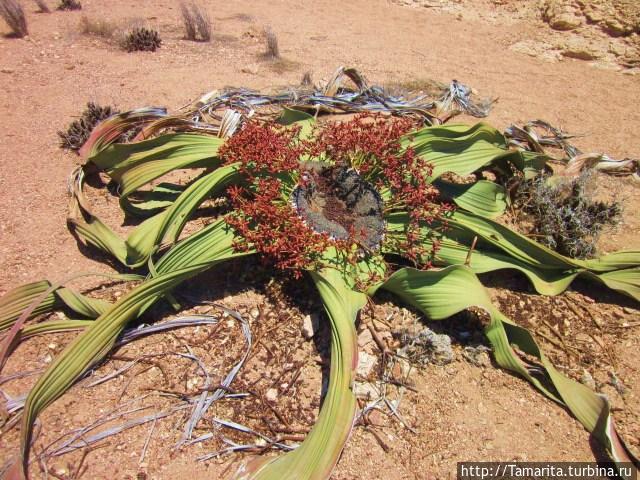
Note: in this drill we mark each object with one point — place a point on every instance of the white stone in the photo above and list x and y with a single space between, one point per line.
366 364
310 324
271 395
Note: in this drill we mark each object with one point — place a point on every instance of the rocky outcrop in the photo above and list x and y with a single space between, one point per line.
561 15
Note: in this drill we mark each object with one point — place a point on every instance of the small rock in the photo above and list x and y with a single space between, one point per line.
619 50
376 418
565 21
365 338
581 49
192 382
616 28
613 396
616 383
251 69
593 15
202 309
629 310
401 368
7 70
310 324
365 390
477 355
366 364
255 313
587 380
561 15
426 346
271 395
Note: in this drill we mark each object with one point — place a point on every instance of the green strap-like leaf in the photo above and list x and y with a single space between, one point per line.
306 122
499 248
442 293
484 198
187 259
53 326
111 129
13 303
463 150
163 228
120 158
318 454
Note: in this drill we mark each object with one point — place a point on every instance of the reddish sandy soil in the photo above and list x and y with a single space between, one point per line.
460 411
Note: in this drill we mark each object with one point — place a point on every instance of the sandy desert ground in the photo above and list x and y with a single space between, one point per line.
462 411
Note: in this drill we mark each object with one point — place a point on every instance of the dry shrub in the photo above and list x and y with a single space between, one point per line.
565 216
44 8
307 80
425 86
242 17
203 23
141 39
13 14
197 24
189 22
272 51
97 27
79 130
69 5
283 65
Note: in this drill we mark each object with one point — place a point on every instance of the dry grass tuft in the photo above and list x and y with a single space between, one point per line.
69 5
97 27
283 65
42 5
197 24
272 51
242 17
424 86
307 80
13 14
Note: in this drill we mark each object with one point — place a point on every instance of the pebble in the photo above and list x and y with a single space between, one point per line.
376 417
587 380
366 364
271 395
310 324
365 338
367 391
